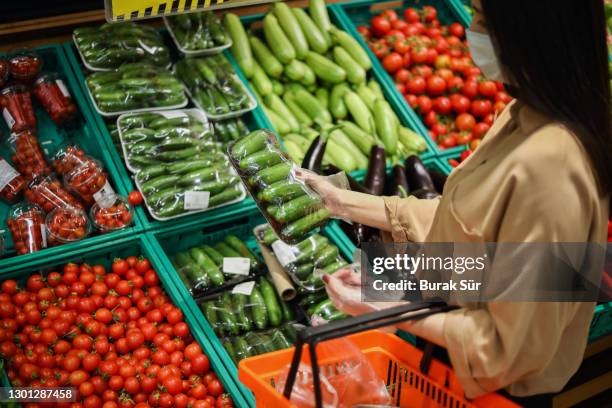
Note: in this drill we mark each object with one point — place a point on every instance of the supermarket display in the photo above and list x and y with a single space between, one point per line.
197 33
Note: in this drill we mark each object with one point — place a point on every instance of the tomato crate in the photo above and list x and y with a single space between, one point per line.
140 245
83 133
168 241
398 107
359 12
601 325
252 119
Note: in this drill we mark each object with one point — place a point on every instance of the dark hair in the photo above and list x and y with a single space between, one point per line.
555 52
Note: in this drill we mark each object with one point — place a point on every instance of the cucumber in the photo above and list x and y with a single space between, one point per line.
325 69
260 80
352 47
269 236
227 345
227 319
273 174
207 264
318 11
210 313
277 40
226 250
239 302
292 28
229 194
350 148
213 254
270 64
279 340
307 223
253 142
275 103
296 208
295 109
286 311
331 268
325 256
196 274
268 292
238 245
386 125
158 184
317 40
312 107
322 94
361 139
240 44
354 72
258 309
260 160
360 112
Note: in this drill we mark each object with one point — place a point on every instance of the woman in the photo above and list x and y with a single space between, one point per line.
542 174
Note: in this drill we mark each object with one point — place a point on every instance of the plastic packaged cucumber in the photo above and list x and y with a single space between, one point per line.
135 87
197 33
259 342
292 209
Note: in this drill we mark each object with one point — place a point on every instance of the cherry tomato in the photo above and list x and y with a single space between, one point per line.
392 62
380 26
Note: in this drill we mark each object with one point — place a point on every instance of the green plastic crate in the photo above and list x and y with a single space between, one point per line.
84 134
398 107
140 245
601 325
173 239
355 13
252 119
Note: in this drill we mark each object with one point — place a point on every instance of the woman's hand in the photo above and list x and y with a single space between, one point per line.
330 194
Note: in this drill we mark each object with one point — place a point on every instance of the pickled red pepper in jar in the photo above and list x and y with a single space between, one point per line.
11 182
17 110
53 95
68 157
25 66
48 193
28 155
87 181
4 72
27 226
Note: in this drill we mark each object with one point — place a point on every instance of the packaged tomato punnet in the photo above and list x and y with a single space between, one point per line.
49 194
27 155
67 157
25 65
17 109
27 226
11 182
53 95
107 218
88 182
65 225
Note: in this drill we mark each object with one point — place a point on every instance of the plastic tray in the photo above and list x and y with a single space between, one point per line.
167 241
252 119
196 112
86 135
359 12
195 53
601 325
138 245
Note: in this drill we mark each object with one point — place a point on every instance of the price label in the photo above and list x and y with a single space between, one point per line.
7 173
8 118
43 234
196 200
105 197
244 288
173 114
283 252
63 88
236 265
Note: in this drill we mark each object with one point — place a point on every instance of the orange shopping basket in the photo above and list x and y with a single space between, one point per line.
413 379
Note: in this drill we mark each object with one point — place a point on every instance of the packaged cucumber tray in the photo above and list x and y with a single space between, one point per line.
179 167
197 33
292 209
214 87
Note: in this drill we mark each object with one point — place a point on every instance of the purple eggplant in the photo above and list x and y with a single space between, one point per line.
439 180
420 182
377 171
314 156
399 182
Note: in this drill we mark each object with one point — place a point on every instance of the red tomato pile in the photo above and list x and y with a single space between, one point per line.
433 69
464 155
113 335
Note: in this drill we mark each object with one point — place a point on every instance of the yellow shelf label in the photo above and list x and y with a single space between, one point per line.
128 10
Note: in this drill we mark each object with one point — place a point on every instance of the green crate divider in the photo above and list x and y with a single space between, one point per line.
398 107
168 241
359 12
84 134
140 245
601 325
252 119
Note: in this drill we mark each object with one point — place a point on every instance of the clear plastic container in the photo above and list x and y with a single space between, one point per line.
11 182
67 157
17 109
25 65
28 156
86 181
26 223
53 94
65 225
49 194
118 215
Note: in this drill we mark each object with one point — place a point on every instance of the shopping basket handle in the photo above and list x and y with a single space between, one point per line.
333 330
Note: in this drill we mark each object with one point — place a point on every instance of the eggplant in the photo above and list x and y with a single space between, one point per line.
399 181
439 180
420 182
314 156
330 169
377 171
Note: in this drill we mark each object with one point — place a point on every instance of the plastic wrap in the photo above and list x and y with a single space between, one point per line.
214 87
229 130
52 93
26 223
17 109
25 65
89 182
292 209
27 155
259 342
351 383
65 225
11 182
67 157
218 265
135 87
48 193
4 71
116 216
197 33
110 45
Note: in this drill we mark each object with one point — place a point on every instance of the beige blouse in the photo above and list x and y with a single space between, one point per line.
529 181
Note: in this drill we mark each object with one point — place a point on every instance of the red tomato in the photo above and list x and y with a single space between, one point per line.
474 144
436 85
417 85
442 105
460 103
498 106
465 121
380 26
401 45
392 62
379 49
481 108
224 401
423 70
487 89
470 89
390 15
419 55
448 141
464 138
489 119
480 129
120 267
402 75
215 388
411 15
457 30
135 198
429 13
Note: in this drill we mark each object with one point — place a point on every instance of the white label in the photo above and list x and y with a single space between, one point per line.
105 197
173 114
8 118
7 173
150 50
244 288
43 234
63 88
196 200
283 252
236 265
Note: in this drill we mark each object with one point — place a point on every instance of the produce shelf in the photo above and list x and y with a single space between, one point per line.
166 242
85 134
141 245
359 12
252 119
